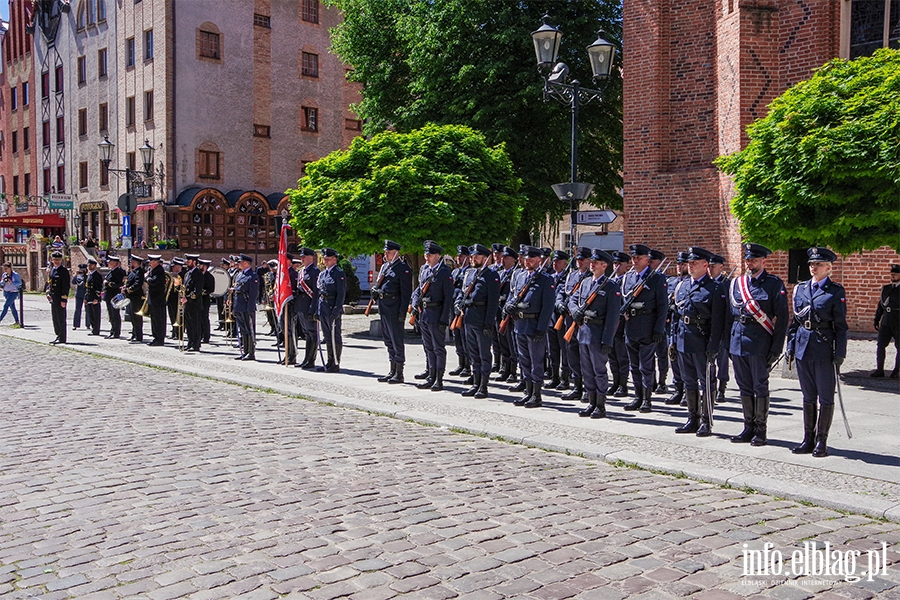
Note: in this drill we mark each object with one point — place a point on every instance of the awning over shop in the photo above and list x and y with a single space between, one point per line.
145 206
49 220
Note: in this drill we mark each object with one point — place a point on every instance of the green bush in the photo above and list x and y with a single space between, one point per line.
353 289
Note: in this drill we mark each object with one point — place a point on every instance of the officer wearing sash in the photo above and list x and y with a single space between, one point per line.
480 302
698 321
618 358
563 294
720 368
887 324
463 368
817 338
332 285
758 321
134 289
432 301
193 283
306 300
595 308
559 362
393 290
112 287
93 290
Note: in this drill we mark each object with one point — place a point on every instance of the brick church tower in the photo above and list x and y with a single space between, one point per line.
696 73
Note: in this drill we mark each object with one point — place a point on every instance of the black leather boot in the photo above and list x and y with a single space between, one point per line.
747 434
429 380
576 392
467 367
476 383
677 396
482 388
535 400
462 362
504 370
496 366
760 420
438 384
519 387
809 429
424 374
622 392
529 391
554 379
599 407
386 378
592 402
705 428
563 382
661 388
693 420
512 377
826 412
638 398
614 387
720 395
398 374
647 405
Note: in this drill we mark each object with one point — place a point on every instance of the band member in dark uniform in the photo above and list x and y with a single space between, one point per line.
246 291
177 269
209 286
266 274
306 300
134 289
559 362
817 338
93 291
432 301
332 284
156 304
563 293
480 301
720 369
58 284
463 368
392 292
112 287
618 358
192 301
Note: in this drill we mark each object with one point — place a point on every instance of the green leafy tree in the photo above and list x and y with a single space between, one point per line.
823 167
438 182
471 62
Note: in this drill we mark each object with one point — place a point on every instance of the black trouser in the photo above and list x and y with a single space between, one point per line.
288 315
58 314
93 317
192 319
158 322
246 332
618 358
886 333
204 320
137 321
115 320
555 346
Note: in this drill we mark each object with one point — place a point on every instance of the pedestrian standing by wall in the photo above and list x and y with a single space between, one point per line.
12 284
887 323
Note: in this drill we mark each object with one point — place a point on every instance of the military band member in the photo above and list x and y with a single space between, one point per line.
432 301
563 294
480 303
531 310
698 322
661 373
817 338
58 283
175 270
77 282
306 299
288 319
156 304
758 320
246 292
392 292
720 368
266 273
559 361
134 289
209 286
112 287
671 328
644 306
595 309
505 268
463 368
332 285
618 358
193 283
93 292
887 324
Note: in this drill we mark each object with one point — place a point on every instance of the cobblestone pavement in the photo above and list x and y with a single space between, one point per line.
161 485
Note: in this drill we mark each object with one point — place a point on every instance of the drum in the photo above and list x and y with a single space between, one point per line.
120 302
223 282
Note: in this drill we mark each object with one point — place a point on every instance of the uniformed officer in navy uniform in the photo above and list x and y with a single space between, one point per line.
134 289
496 265
559 360
93 292
757 319
531 309
193 282
681 262
887 324
720 368
464 364
288 320
246 293
698 322
595 308
172 301
432 303
505 270
209 286
332 285
480 302
817 339
58 283
306 300
563 293
112 287
618 358
661 371
392 292
644 306
156 304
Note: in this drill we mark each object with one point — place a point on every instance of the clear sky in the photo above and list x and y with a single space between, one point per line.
4 10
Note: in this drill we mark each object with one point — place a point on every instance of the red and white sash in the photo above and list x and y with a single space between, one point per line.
752 306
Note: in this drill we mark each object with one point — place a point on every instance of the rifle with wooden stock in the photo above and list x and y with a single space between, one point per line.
377 286
458 321
412 314
562 318
574 326
504 323
640 287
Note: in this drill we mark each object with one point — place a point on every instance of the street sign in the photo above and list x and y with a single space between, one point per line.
126 226
127 203
126 242
60 202
142 190
595 217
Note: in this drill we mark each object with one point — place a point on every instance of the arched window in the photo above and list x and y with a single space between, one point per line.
80 14
207 229
254 229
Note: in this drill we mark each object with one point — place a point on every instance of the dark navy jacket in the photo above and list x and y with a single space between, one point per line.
818 330
113 283
534 311
483 303
435 305
699 316
395 289
246 291
193 281
749 338
332 285
134 286
304 304
156 286
601 317
93 286
647 313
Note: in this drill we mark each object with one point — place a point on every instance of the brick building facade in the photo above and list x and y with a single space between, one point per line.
696 74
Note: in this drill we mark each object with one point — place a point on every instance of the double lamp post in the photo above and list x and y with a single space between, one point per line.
556 85
136 181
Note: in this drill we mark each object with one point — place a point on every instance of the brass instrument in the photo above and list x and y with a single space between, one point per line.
179 319
142 312
269 282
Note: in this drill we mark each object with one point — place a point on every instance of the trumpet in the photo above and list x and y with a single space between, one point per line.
179 319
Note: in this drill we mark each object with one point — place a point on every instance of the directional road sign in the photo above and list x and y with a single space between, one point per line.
595 217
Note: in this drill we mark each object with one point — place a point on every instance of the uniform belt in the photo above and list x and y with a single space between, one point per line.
687 320
744 319
477 304
807 324
635 312
432 304
383 295
524 315
329 296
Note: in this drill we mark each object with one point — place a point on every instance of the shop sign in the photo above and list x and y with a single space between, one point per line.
93 206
